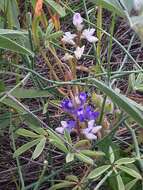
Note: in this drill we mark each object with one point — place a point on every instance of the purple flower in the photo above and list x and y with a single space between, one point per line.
80 114
67 105
77 21
90 114
83 97
68 125
91 130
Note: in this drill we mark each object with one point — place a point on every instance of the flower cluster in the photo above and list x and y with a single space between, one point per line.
87 34
82 114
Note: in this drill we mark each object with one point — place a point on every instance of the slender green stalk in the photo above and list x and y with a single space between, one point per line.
17 159
99 32
110 47
103 180
115 73
41 176
137 149
102 110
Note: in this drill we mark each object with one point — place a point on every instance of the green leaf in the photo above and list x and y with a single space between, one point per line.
82 144
11 12
8 44
111 155
25 147
72 178
69 157
54 35
62 185
39 148
115 6
54 139
57 7
120 182
131 184
84 158
93 154
111 5
30 93
130 171
14 105
67 136
14 33
2 86
120 100
125 161
98 171
59 144
36 128
26 133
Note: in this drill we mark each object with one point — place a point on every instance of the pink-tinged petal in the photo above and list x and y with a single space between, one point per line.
69 38
59 130
85 131
91 31
91 123
92 39
88 35
96 129
64 124
91 136
79 52
77 21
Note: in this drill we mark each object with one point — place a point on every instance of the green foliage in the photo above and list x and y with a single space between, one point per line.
58 8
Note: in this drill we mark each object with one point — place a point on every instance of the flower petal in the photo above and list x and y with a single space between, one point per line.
64 124
59 130
79 52
96 129
77 21
91 136
92 39
91 123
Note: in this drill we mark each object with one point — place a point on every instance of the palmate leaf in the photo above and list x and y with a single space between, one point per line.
125 161
130 171
122 101
120 182
84 158
39 148
26 133
25 147
98 171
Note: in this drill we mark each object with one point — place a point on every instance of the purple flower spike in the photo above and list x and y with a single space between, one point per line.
68 125
80 114
67 105
83 97
90 114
